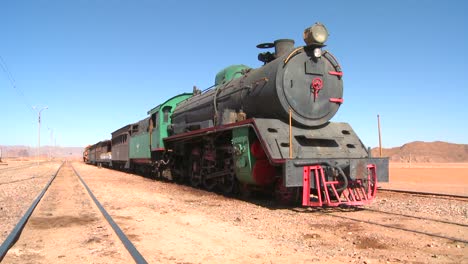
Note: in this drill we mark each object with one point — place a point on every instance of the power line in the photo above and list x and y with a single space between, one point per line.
13 83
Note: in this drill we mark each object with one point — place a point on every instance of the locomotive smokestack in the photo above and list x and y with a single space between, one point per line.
283 46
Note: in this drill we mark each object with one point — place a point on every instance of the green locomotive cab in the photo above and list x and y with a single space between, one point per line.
160 120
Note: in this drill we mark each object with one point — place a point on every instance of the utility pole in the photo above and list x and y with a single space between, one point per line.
380 137
39 129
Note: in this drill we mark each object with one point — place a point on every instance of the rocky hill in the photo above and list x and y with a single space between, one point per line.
45 151
419 151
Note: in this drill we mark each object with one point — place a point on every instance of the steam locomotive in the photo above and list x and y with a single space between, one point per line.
266 129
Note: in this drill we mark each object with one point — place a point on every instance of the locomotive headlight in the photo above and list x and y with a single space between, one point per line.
316 34
317 52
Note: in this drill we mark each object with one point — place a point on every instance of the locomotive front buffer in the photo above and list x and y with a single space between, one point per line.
329 165
325 183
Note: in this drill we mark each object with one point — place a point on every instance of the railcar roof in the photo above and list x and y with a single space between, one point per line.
100 143
121 130
156 109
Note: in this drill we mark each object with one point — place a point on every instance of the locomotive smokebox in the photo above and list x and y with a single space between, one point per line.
292 80
283 46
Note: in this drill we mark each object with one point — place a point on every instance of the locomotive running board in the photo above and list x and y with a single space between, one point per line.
355 194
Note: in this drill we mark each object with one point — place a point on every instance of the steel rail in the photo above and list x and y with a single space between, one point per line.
23 166
318 210
413 216
24 179
437 195
398 228
15 181
16 232
127 243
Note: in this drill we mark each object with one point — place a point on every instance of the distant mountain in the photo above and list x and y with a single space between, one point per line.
45 151
420 151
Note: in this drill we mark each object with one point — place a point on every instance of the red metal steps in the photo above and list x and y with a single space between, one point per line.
356 193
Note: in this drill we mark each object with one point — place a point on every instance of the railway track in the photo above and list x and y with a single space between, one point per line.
62 222
452 231
22 166
414 217
404 221
427 194
21 178
21 173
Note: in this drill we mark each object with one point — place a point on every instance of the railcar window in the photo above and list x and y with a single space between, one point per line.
157 119
120 139
166 111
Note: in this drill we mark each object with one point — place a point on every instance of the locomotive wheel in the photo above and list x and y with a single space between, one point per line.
175 175
157 174
229 184
176 170
245 191
208 184
195 172
286 196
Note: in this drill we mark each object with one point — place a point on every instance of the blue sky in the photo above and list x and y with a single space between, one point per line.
99 65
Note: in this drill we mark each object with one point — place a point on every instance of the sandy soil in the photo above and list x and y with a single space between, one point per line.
20 183
66 228
448 178
171 223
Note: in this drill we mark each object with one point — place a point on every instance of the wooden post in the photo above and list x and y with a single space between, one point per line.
290 134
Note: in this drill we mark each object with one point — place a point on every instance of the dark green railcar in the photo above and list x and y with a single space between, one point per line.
140 142
160 119
146 136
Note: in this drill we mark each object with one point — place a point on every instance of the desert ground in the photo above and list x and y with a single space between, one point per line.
447 178
171 223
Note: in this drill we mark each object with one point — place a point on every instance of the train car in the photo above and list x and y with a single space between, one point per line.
140 153
86 154
103 153
92 154
120 148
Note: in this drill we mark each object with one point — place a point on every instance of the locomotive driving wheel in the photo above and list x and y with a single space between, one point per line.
286 196
208 184
195 172
229 184
175 169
